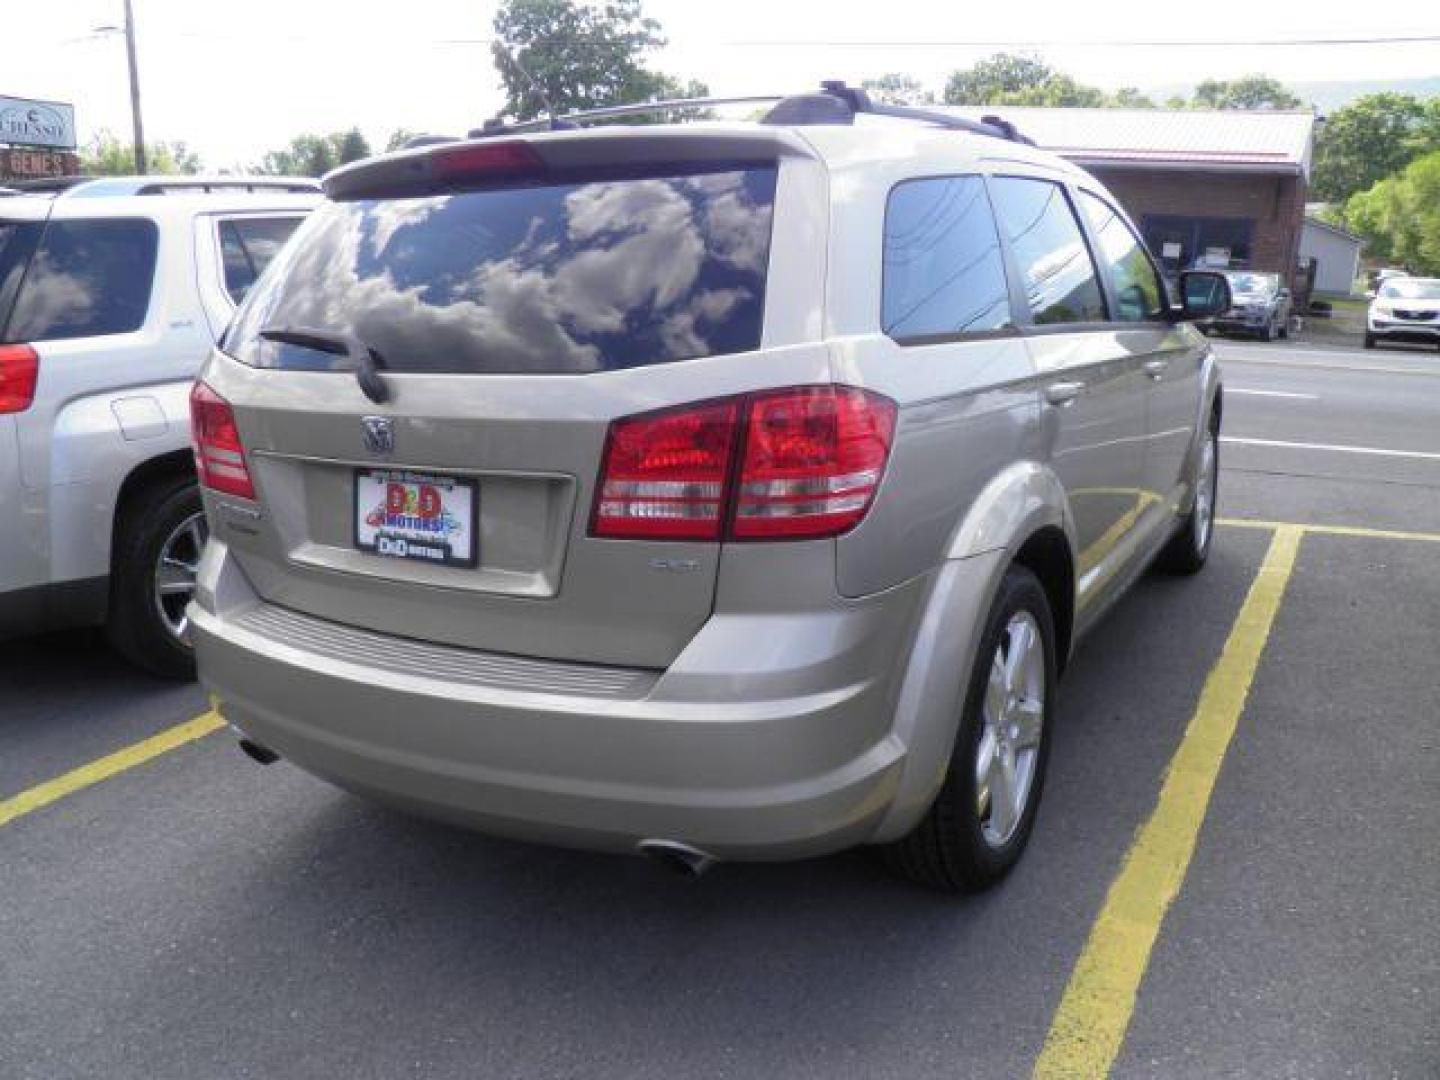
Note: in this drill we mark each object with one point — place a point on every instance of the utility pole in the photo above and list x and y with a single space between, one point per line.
134 90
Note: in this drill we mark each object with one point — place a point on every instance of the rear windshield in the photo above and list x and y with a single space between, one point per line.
85 279
567 277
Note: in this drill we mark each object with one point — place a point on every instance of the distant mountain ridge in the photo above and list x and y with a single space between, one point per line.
1329 96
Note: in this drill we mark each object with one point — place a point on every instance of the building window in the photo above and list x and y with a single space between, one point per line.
1186 243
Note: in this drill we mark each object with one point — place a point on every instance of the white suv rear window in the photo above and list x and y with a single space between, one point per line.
86 279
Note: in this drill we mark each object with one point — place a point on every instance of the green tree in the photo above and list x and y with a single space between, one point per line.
1128 97
1367 140
1399 216
1247 92
107 155
998 80
898 89
315 155
1016 79
398 138
567 55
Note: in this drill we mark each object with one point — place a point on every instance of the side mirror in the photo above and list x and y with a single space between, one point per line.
1204 294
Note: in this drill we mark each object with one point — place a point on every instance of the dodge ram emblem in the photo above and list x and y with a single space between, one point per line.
379 434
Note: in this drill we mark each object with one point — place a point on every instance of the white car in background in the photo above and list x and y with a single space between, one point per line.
1405 309
112 292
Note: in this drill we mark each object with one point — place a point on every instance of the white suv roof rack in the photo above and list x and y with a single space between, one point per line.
109 186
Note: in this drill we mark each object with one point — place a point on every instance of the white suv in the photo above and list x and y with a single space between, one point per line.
112 292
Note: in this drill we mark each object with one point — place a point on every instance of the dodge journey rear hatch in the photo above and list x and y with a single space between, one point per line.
490 395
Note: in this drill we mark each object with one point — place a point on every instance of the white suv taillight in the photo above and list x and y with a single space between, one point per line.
19 370
219 455
799 463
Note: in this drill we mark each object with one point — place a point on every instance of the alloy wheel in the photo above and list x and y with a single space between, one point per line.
1205 494
1013 721
174 575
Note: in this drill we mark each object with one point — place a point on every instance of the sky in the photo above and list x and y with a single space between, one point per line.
235 78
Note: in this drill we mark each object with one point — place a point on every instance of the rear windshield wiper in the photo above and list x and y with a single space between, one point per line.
367 361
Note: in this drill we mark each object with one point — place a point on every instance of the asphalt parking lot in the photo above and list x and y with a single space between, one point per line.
177 911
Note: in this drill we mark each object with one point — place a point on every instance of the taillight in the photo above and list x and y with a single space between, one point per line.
809 466
219 456
664 474
19 369
813 459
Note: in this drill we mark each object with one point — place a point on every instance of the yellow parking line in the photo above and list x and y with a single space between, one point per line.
1094 1013
1331 530
102 769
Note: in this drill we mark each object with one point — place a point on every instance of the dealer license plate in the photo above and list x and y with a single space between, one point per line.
408 515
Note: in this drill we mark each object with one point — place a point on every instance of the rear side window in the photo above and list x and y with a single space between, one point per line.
86 279
1054 263
17 244
584 276
246 247
1139 295
944 272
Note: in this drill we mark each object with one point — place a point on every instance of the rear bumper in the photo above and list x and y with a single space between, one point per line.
770 737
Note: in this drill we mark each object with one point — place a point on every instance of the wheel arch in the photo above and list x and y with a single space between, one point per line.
167 467
1022 516
1047 555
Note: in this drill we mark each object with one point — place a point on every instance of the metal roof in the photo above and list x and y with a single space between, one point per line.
1319 223
1222 140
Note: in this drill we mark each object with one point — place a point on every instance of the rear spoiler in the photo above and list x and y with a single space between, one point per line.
449 166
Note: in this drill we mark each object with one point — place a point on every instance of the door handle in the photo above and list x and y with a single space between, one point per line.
1155 368
1063 393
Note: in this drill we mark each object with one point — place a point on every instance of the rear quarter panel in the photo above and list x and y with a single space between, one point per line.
967 408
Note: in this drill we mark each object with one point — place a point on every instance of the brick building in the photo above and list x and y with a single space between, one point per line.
1224 187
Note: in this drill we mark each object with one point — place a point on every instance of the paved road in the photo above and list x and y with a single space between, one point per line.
202 916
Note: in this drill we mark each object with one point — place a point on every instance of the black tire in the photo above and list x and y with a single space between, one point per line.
948 850
134 626
1369 341
1188 550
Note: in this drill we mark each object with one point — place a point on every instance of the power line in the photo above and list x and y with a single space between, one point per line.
819 43
1389 39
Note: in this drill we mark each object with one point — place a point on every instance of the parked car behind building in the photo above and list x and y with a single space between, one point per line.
1260 306
111 293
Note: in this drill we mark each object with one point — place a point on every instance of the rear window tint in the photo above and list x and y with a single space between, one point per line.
246 247
17 244
944 272
561 278
86 279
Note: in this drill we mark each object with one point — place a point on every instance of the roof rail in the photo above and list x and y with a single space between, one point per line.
569 121
103 187
836 103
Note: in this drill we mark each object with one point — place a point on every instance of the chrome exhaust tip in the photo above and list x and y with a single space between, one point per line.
676 857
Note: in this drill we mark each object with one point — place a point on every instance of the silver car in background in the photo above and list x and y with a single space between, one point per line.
716 491
1260 306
